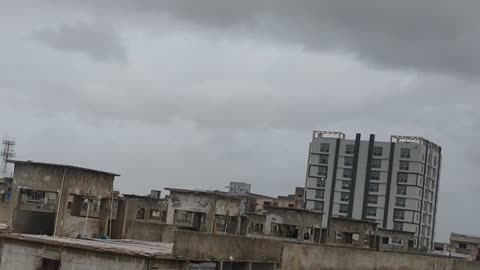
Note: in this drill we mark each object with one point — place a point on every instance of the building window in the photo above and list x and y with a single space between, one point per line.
376 163
323 159
372 199
405 153
322 171
319 194
462 245
257 227
375 175
349 149
344 196
318 206
398 214
36 200
140 213
321 182
346 185
404 165
371 211
434 173
49 264
435 161
373 187
343 209
347 173
401 190
402 177
397 226
220 224
183 217
348 161
324 147
377 151
157 214
400 202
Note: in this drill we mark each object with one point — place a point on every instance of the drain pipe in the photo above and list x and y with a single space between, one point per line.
60 197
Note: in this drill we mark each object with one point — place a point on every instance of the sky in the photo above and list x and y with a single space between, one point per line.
195 94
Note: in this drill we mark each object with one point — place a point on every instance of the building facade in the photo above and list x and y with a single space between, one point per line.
394 184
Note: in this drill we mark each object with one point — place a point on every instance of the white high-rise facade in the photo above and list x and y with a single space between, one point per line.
393 183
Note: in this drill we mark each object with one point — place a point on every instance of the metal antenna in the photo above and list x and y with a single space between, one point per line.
7 153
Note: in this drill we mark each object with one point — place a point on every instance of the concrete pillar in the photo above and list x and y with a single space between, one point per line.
104 216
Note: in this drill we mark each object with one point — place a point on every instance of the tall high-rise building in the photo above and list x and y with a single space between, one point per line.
394 184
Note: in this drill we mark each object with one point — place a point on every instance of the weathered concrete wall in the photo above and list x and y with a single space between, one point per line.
146 203
27 256
209 204
204 247
76 182
309 257
146 230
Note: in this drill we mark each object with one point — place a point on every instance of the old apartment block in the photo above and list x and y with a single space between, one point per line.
394 184
62 200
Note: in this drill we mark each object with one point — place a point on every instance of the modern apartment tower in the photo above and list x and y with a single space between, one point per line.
394 184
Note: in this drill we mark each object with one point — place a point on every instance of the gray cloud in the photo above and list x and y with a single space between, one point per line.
427 35
100 42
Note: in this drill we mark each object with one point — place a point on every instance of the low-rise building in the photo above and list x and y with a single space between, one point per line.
143 218
465 244
352 232
58 199
204 211
284 223
394 240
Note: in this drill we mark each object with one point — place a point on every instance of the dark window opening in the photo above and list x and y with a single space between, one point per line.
49 264
140 213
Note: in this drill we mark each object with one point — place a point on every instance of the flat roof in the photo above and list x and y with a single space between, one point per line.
142 197
204 192
122 247
30 162
295 209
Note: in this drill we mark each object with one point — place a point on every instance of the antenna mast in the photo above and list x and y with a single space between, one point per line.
7 153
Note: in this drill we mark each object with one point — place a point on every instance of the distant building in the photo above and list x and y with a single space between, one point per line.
394 184
465 244
239 188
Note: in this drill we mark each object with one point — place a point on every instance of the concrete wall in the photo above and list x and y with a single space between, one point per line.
20 255
76 182
205 247
149 231
309 257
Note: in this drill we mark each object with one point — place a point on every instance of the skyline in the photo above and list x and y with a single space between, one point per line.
190 94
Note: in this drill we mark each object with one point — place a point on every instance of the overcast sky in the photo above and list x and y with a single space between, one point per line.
197 93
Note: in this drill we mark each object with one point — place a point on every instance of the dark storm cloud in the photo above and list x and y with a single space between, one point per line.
426 35
100 42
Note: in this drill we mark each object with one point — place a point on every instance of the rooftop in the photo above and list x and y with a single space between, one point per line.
473 238
295 209
134 196
122 247
29 162
203 192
